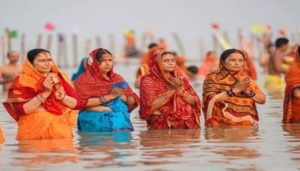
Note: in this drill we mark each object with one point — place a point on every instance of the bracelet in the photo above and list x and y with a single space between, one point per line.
102 99
40 98
63 97
230 93
251 93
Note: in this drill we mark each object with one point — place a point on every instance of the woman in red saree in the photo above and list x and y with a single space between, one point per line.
41 99
229 96
167 99
291 105
116 98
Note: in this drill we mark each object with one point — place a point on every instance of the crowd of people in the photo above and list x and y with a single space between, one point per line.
46 104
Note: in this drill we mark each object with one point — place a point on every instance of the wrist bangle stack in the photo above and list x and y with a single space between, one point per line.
65 95
102 99
230 93
251 93
40 98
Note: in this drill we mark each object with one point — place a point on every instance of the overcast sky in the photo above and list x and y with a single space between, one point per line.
189 18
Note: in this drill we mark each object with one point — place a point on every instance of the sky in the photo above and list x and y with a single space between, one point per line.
190 19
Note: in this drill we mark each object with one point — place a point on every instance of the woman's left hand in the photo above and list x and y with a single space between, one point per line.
124 98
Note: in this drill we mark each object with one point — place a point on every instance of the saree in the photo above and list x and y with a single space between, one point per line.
235 111
208 66
93 84
52 120
1 135
291 105
176 113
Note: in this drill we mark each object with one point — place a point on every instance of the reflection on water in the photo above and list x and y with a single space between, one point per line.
271 146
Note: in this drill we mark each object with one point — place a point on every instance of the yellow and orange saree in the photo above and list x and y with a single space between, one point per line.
238 110
50 120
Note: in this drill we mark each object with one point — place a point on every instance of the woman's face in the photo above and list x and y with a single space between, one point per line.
43 62
234 62
168 63
106 63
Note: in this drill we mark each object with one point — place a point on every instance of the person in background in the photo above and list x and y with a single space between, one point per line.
9 71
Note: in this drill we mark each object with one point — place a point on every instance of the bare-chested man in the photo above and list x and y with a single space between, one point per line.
9 72
274 83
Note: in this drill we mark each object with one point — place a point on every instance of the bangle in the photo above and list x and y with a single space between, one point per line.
230 93
65 95
102 99
40 98
251 93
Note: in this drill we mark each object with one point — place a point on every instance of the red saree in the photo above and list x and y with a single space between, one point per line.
176 113
291 105
93 84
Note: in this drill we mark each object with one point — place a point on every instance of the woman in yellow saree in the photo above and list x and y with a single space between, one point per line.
41 99
229 95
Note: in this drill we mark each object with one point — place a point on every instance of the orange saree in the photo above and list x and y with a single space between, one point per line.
176 113
291 105
238 110
51 119
1 136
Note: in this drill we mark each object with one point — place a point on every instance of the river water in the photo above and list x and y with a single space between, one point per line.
271 146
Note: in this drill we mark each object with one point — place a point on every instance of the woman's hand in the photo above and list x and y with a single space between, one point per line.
48 86
176 83
242 85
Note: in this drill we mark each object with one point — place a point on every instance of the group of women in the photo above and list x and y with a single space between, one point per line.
45 103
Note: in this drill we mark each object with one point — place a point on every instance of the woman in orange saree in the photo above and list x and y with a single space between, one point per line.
291 105
229 96
167 99
1 136
41 99
210 64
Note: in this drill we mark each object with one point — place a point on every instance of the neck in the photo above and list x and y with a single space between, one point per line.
12 63
105 74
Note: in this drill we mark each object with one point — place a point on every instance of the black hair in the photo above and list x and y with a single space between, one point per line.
193 69
281 41
32 54
152 45
167 53
100 52
228 52
299 51
210 52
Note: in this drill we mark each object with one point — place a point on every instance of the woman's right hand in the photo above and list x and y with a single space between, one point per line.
48 85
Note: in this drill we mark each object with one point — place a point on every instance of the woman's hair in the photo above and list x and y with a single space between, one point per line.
228 52
167 53
32 54
101 52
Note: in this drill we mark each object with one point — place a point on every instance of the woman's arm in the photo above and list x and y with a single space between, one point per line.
161 100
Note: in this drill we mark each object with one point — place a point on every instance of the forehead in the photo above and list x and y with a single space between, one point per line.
13 54
43 55
106 56
235 56
168 56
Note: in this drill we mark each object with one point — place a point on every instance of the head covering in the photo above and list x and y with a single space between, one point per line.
93 84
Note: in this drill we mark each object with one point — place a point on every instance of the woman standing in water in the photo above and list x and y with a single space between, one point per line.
291 105
229 96
167 99
41 99
109 98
